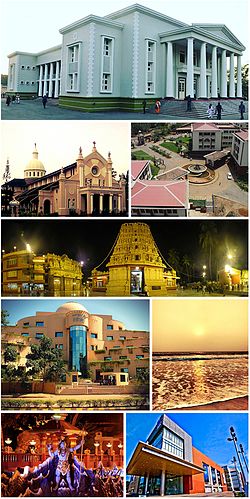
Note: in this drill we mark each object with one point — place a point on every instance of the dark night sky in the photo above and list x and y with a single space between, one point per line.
91 240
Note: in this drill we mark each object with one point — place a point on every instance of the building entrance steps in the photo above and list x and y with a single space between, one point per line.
199 108
94 389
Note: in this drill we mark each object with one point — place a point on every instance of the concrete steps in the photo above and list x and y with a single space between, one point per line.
199 108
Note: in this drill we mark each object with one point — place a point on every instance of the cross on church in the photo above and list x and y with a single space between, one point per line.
94 143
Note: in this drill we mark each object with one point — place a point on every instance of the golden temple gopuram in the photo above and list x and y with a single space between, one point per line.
136 267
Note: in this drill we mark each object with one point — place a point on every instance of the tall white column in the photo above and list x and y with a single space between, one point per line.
239 77
224 73
146 483
40 88
119 203
110 203
190 67
91 203
45 86
57 80
170 72
162 489
214 90
203 71
101 203
50 79
231 77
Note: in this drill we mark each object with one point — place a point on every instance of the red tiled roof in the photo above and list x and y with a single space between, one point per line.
159 193
204 126
242 134
137 166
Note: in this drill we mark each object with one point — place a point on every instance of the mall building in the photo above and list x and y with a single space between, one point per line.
168 464
87 341
115 61
86 187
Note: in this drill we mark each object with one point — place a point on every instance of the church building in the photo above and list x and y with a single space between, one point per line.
116 61
86 187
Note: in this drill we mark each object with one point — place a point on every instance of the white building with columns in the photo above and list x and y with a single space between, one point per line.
136 53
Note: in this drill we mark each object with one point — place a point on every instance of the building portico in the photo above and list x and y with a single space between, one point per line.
201 65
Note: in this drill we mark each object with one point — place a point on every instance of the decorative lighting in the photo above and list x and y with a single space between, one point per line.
33 443
57 417
28 247
8 441
96 444
120 446
109 445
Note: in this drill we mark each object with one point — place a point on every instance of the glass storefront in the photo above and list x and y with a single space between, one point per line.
78 349
173 485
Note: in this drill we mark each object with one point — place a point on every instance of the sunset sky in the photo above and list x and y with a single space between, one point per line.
185 325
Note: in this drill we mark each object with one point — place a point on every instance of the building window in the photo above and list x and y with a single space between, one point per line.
109 338
110 326
107 64
59 346
39 336
26 324
27 67
122 337
124 370
150 66
213 476
78 349
21 82
92 347
11 262
107 358
123 357
93 335
206 472
73 68
33 67
39 324
140 356
12 273
182 57
58 334
22 67
172 443
25 334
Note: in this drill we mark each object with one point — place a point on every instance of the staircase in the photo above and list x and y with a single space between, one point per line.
178 109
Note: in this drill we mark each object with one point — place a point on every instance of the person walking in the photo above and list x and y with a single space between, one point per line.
8 100
210 111
189 100
219 110
157 106
45 98
242 110
144 105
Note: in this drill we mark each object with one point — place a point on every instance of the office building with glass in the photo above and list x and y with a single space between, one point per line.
168 464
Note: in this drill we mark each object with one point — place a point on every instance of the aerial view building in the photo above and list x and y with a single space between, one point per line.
115 61
86 187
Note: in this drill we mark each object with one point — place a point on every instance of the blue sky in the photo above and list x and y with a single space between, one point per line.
209 431
133 313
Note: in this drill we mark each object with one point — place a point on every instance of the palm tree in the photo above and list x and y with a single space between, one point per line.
174 260
208 240
187 264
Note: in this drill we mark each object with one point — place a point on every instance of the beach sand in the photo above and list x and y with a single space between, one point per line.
236 404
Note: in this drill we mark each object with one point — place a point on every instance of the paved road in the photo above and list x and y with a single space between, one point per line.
33 110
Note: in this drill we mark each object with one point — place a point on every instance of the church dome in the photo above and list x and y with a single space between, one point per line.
35 167
70 307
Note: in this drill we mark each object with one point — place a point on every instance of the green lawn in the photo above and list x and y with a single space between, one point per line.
137 155
170 145
154 169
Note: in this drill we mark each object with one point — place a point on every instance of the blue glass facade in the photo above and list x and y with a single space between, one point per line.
78 349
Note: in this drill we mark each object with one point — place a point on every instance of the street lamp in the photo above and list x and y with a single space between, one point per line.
241 451
234 439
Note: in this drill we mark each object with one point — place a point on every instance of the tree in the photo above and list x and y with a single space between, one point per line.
10 354
46 361
187 264
174 260
208 241
4 318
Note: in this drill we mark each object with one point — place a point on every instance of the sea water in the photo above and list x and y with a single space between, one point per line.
190 379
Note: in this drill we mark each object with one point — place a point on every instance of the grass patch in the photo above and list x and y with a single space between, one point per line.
138 155
154 169
170 146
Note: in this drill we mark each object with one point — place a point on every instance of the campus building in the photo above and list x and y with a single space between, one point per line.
86 187
240 150
215 136
115 61
158 197
87 341
24 273
168 464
